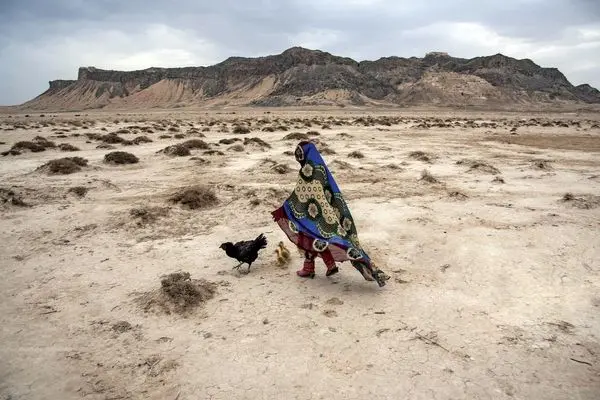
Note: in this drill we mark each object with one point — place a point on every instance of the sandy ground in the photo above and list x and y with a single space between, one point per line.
494 289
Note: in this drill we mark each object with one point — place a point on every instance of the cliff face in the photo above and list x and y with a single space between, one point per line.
300 76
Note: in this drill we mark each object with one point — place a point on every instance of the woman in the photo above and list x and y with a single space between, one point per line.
316 218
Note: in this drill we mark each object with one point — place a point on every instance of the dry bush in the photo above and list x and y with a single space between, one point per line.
241 129
147 215
25 145
256 141
179 136
427 177
584 202
237 148
64 166
165 137
268 129
8 196
498 179
313 133
79 191
195 197
541 164
296 136
356 154
67 147
229 141
106 146
458 195
176 150
94 136
196 144
213 153
120 157
141 139
112 138
484 167
421 156
178 294
281 168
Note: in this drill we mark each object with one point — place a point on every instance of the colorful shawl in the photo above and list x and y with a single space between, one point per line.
317 219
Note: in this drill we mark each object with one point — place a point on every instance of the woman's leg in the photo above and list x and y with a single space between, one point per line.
329 263
308 270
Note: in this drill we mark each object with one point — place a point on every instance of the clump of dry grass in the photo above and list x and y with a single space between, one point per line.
541 164
112 138
256 141
79 191
141 139
241 129
229 141
64 166
356 154
296 136
281 168
176 150
196 144
427 177
25 145
67 147
421 156
179 136
237 148
195 197
484 167
120 157
8 196
165 137
148 215
458 195
584 202
178 294
498 179
106 146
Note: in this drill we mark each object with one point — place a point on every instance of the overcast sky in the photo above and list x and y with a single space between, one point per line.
43 40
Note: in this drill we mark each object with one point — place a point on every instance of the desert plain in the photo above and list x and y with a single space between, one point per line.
488 224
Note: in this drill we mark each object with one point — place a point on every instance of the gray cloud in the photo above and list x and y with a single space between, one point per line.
42 40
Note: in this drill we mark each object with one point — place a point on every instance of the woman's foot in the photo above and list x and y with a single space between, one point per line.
308 270
332 270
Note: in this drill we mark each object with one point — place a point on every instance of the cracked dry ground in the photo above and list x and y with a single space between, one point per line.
493 255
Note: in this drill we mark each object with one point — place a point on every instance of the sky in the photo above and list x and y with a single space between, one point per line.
43 40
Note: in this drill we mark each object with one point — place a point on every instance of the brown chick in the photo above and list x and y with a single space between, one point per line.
283 254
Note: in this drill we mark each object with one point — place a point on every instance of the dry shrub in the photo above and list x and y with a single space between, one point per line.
64 166
178 294
281 168
179 136
356 154
584 202
8 196
147 215
342 164
165 137
427 177
541 164
79 191
458 195
177 150
112 138
31 146
256 141
195 197
241 129
268 129
323 149
421 156
120 157
344 135
141 139
214 153
229 141
106 146
313 133
484 167
296 136
238 148
67 147
498 179
196 144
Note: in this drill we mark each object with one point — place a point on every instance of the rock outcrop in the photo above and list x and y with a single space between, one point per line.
300 76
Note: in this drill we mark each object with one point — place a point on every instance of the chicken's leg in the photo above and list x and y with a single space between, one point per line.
238 266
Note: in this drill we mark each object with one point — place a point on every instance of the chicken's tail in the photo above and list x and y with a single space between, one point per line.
261 241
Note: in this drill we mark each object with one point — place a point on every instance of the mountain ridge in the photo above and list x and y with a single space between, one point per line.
300 76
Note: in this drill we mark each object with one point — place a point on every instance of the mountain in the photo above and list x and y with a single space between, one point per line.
301 76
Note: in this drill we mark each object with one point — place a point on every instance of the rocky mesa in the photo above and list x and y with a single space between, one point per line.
303 77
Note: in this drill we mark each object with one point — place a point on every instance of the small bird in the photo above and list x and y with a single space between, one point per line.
245 251
283 254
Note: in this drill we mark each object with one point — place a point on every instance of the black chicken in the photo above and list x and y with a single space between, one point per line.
245 251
